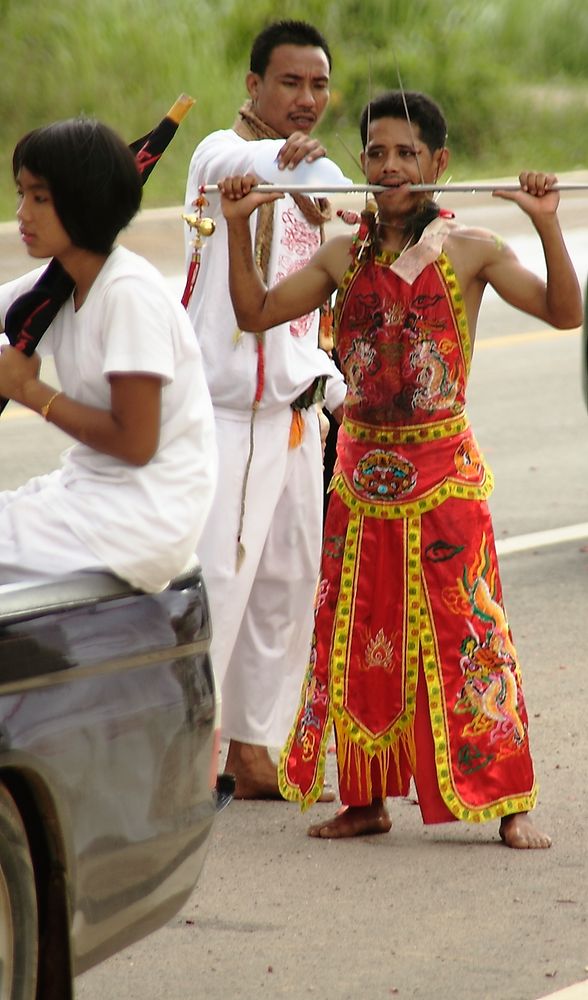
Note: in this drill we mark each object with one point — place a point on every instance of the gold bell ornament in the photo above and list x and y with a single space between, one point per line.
201 227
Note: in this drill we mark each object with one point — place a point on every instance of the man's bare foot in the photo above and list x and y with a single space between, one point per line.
354 821
517 830
256 774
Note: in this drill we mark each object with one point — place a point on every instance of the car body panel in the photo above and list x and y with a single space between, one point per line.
108 712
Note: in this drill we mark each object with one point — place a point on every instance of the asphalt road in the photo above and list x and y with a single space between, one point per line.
438 912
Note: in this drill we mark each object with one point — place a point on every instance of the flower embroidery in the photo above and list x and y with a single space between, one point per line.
297 245
379 652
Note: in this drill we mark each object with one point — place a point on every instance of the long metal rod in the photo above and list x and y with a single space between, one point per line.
496 186
378 188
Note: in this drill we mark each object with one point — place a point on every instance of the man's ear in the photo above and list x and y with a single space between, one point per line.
441 159
252 81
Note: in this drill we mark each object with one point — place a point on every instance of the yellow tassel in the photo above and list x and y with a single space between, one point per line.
296 429
349 752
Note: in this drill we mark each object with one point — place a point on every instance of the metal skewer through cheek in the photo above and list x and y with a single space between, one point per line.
378 188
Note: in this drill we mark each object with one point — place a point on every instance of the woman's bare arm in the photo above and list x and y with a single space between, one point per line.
129 430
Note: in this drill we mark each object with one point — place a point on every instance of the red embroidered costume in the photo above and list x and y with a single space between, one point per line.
412 657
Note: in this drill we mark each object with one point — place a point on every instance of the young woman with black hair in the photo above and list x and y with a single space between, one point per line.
133 492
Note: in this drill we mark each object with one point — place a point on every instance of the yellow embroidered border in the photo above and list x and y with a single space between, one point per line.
408 434
412 548
291 792
438 715
458 305
413 508
342 293
344 629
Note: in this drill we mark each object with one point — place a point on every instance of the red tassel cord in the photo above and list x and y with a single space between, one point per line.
260 370
202 228
193 269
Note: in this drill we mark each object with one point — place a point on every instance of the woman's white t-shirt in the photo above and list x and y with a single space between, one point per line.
141 522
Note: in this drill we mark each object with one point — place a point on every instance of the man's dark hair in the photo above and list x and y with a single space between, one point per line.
284 33
92 176
422 111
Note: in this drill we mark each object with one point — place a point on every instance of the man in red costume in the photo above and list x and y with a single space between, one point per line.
412 658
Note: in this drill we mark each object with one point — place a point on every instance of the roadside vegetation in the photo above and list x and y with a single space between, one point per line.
510 76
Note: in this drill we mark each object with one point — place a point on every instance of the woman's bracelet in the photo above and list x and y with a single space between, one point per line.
45 409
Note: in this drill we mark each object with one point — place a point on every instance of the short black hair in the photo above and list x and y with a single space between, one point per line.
92 175
284 33
419 108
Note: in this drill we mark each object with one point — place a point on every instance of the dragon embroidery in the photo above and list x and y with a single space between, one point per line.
437 386
490 692
360 361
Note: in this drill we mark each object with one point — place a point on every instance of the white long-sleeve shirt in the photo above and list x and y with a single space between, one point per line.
292 356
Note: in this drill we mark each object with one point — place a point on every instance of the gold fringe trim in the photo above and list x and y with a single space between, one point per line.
351 754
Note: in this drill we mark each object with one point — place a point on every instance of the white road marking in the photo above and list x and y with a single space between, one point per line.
509 339
577 992
538 539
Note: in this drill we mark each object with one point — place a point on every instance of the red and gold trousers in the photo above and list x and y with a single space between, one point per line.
412 659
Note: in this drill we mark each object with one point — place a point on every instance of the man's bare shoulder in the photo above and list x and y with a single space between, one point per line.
474 238
335 256
473 247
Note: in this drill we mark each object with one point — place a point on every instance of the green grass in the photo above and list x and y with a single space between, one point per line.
509 75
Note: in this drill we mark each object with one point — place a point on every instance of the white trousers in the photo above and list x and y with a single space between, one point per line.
36 544
262 614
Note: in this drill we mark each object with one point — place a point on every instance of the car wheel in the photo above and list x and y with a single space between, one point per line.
18 907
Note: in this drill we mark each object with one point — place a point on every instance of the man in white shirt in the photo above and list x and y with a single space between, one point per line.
260 548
